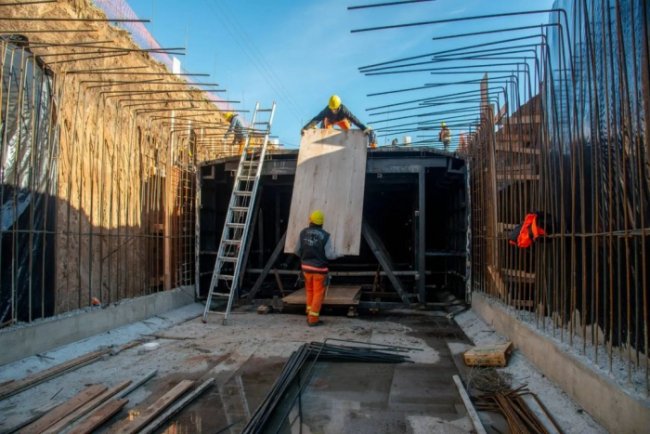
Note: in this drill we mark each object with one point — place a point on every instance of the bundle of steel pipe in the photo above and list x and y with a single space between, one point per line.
296 373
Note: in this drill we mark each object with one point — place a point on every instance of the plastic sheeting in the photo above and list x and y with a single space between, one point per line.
27 185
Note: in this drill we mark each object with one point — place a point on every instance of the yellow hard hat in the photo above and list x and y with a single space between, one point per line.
335 102
442 124
228 115
317 217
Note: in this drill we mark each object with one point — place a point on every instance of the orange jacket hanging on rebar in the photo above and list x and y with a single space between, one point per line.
526 233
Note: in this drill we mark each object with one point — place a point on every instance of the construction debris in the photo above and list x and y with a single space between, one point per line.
521 419
489 379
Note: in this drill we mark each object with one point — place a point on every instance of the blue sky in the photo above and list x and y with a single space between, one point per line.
298 53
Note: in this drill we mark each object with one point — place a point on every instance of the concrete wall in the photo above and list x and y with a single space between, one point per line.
600 396
27 340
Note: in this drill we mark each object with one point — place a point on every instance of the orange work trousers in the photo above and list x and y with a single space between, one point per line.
241 144
344 124
315 295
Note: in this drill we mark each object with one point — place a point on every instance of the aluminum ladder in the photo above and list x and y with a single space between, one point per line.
227 267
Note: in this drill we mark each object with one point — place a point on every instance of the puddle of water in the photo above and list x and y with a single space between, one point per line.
233 402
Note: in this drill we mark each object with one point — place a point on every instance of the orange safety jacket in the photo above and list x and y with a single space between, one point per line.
526 233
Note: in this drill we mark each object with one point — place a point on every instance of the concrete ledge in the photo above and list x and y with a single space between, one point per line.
24 340
616 409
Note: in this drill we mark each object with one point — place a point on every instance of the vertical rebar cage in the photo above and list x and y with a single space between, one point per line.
28 168
579 152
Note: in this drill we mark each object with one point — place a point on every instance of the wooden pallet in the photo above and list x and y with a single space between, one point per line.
335 296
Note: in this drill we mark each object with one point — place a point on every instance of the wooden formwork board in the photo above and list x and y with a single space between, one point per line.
330 177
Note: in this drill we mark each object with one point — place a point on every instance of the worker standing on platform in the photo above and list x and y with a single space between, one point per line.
314 246
338 114
236 126
445 136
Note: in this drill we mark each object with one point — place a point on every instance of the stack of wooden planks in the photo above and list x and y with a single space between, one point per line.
95 405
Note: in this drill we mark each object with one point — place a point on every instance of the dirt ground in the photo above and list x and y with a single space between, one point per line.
246 357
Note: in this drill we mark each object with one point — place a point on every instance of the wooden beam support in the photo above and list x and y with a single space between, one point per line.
269 264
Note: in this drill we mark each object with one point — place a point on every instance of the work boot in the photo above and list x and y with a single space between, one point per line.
316 324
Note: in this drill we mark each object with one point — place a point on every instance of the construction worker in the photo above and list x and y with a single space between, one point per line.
238 127
445 136
314 246
338 114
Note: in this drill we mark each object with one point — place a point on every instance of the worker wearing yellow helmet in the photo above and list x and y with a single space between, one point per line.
337 114
237 126
445 135
314 246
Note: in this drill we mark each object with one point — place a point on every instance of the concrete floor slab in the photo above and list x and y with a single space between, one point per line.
246 357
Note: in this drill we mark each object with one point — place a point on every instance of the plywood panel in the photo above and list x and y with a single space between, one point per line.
330 176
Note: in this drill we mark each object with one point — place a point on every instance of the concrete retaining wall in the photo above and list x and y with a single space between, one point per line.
26 340
616 409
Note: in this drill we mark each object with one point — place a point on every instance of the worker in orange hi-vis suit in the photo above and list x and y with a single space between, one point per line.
314 246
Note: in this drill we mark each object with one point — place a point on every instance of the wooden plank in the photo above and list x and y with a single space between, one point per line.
87 408
156 408
330 176
497 279
506 226
471 411
63 410
33 380
501 147
99 417
178 406
123 393
519 275
335 296
517 177
489 355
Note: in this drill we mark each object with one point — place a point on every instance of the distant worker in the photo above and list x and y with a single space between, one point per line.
338 114
239 129
314 246
445 136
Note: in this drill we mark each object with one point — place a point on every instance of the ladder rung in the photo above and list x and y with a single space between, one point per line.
247 178
243 193
264 110
240 208
236 225
231 242
261 123
221 294
225 277
215 312
228 259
